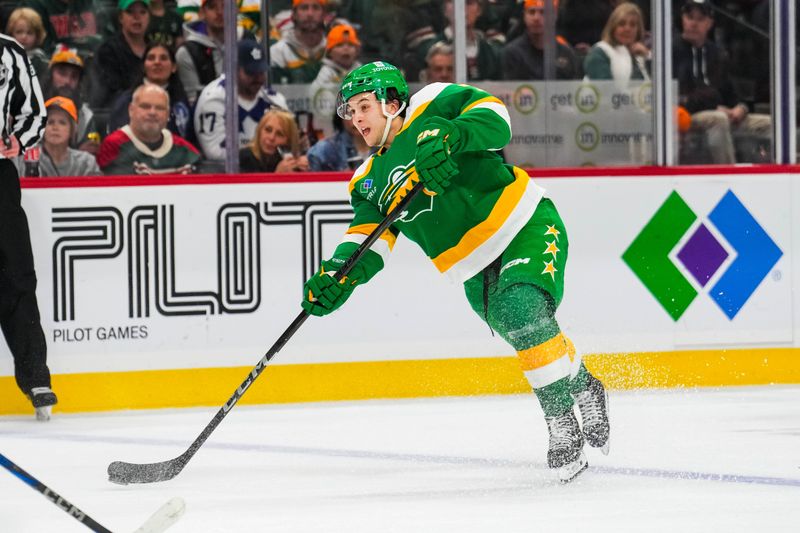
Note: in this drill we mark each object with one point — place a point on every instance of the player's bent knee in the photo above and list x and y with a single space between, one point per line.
525 315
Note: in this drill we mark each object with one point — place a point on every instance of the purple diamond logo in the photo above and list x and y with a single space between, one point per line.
702 255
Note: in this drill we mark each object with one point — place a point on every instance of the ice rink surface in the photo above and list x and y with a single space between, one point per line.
699 460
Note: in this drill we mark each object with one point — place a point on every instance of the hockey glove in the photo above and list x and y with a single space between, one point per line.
322 294
435 166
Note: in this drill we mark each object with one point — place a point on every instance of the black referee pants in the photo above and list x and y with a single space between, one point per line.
19 313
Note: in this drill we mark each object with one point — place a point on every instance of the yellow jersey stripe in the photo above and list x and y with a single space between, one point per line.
487 99
476 236
366 229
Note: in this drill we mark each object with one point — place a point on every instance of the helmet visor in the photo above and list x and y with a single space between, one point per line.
342 109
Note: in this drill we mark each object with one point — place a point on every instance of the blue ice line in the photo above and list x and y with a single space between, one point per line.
684 475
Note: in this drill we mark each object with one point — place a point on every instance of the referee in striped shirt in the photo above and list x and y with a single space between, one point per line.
22 121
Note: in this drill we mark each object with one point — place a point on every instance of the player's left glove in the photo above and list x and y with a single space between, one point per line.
322 294
436 143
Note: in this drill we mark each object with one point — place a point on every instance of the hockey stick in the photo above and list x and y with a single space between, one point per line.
166 515
124 473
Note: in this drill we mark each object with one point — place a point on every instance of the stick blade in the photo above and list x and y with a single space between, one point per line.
167 514
123 473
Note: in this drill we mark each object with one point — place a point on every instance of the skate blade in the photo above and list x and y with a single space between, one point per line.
569 472
43 413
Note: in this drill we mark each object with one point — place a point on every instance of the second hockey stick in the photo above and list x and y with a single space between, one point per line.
123 473
166 515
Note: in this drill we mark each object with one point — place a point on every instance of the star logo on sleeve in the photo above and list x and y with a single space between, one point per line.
551 249
551 230
549 269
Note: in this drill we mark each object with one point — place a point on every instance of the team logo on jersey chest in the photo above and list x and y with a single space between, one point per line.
401 179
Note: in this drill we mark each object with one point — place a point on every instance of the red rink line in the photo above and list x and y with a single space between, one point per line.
316 177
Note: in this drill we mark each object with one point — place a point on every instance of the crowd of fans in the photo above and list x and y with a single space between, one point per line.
138 86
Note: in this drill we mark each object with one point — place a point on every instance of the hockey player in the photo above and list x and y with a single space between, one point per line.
482 222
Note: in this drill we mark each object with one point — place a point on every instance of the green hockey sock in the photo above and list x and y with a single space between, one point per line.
581 381
555 398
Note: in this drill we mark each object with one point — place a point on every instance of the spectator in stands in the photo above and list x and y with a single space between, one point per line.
581 22
25 25
253 96
523 58
345 150
705 87
73 23
620 54
64 78
160 69
297 56
201 55
275 147
145 146
341 56
483 55
118 63
57 158
166 26
439 64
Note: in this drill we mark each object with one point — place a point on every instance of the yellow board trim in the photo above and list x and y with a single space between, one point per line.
476 236
106 391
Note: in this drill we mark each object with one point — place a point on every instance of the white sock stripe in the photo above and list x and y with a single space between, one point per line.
549 373
575 365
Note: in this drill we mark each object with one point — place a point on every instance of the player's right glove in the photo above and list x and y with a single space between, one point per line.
322 294
437 141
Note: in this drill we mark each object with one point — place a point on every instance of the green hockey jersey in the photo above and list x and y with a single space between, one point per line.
464 229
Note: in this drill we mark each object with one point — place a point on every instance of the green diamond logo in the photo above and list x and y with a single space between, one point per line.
648 255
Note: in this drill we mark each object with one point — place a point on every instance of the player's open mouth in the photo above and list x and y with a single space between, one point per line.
365 132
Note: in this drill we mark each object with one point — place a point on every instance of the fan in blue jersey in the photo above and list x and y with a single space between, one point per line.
254 100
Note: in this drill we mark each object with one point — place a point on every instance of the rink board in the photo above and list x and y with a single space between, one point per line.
160 292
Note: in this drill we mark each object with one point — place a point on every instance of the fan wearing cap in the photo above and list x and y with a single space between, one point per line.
57 158
64 78
253 97
118 62
297 56
523 58
341 56
705 87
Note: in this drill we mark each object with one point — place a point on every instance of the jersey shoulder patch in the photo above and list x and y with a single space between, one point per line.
362 171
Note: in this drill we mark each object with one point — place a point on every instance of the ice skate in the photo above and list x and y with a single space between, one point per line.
43 400
565 454
593 405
